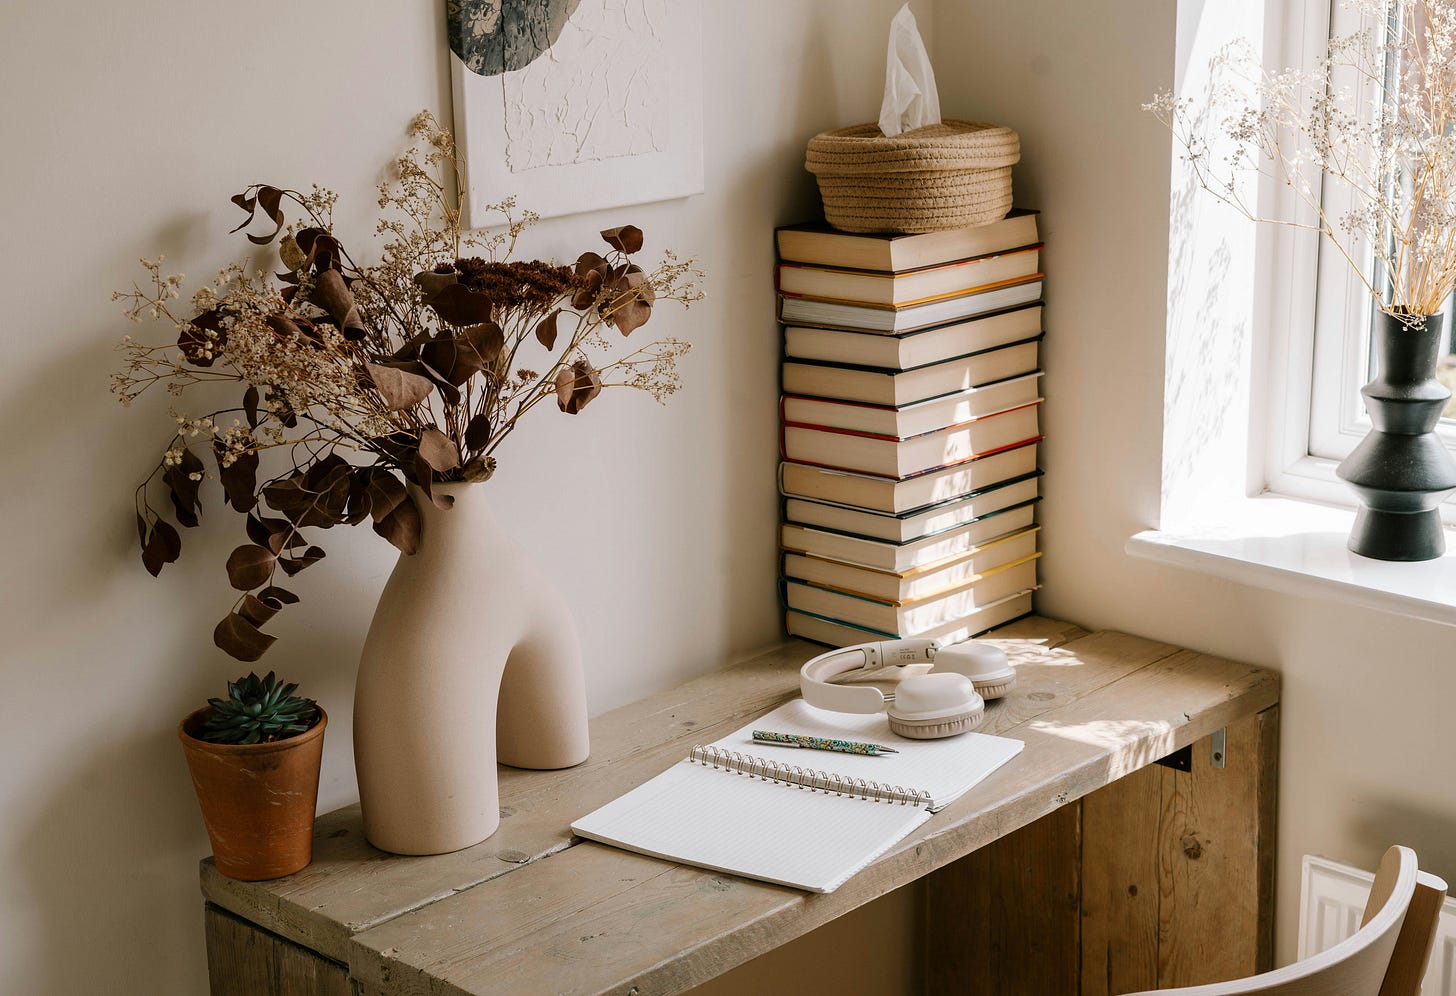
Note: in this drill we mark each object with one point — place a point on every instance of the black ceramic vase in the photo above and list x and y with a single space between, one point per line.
1401 471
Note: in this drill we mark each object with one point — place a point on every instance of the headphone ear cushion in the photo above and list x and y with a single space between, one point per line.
934 729
995 689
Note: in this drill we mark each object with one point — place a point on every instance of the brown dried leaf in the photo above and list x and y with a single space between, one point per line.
183 489
194 341
477 433
589 262
269 201
577 386
627 238
385 492
401 526
586 295
257 610
399 388
282 596
239 479
487 340
240 639
438 451
454 360
163 547
331 293
250 566
261 530
546 331
292 565
457 304
630 316
250 406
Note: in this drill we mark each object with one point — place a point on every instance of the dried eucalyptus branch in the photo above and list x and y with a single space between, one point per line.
420 364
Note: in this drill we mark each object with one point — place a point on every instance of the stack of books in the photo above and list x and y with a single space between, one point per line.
911 416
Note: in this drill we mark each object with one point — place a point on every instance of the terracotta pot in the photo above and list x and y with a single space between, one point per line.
472 658
257 800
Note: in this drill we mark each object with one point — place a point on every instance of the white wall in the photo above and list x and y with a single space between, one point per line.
126 128
1367 756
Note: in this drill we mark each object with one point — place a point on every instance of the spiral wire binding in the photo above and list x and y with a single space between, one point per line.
797 776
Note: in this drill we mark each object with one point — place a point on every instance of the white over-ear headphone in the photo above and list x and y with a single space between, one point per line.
926 704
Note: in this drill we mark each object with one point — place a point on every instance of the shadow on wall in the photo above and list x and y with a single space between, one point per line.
104 884
1425 831
102 831
786 193
1199 396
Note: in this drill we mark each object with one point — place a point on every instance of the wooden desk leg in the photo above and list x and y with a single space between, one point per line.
1162 878
244 960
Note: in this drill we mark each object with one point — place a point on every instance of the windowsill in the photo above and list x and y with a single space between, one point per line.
1298 547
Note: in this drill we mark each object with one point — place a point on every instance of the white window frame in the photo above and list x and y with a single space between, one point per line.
1320 320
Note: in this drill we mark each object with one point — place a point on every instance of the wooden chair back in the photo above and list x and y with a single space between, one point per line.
1386 957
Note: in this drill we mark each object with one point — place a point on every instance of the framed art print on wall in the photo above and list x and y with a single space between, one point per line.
576 105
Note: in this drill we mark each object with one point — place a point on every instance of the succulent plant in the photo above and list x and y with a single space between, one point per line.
258 710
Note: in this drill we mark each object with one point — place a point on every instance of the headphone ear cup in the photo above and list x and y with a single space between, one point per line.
934 729
931 706
995 689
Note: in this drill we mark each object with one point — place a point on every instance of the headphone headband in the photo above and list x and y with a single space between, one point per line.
815 675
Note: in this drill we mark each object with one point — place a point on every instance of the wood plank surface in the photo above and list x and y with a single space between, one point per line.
1005 920
1120 884
350 886
245 961
593 918
1215 838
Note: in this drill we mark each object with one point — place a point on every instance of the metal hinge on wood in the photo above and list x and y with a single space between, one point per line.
1182 758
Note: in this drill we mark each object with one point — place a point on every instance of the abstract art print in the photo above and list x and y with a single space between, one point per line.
576 105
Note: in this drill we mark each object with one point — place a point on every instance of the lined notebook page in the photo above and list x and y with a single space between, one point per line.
735 823
945 768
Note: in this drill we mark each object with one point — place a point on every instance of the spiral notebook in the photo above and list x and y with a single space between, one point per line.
802 818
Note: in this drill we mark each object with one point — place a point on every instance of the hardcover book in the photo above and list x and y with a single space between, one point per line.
897 389
902 351
799 310
835 633
903 557
913 618
819 243
902 528
896 497
917 418
887 586
891 456
910 287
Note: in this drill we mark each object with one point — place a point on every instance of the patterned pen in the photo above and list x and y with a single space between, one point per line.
820 743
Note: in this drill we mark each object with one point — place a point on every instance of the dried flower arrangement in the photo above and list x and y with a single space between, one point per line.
418 366
1399 162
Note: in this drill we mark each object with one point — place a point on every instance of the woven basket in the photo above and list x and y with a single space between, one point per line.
947 175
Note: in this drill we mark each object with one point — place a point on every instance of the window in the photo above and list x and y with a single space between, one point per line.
1329 317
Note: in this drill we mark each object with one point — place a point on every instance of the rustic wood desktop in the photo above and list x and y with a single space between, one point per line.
1079 867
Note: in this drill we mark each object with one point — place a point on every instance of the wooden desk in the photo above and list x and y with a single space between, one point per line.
1078 867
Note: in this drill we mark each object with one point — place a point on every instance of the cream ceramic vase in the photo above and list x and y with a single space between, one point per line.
472 658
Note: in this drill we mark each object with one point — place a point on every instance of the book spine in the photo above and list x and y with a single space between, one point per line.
828 782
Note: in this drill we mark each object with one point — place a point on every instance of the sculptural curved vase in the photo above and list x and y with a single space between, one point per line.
1401 471
472 658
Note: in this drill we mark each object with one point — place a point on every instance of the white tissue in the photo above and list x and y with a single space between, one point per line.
911 100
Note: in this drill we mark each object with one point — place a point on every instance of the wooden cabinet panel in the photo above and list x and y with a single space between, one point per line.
243 960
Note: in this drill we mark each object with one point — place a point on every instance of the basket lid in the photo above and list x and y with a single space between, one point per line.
950 145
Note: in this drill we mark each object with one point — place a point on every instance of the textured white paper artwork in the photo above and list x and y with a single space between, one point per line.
576 105
609 100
